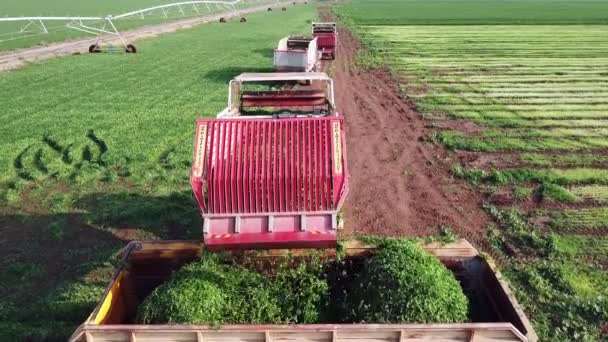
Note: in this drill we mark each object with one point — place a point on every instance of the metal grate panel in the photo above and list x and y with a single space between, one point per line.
269 165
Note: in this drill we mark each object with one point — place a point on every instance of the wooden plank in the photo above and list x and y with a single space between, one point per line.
178 336
235 336
429 335
110 336
285 336
302 333
494 336
369 336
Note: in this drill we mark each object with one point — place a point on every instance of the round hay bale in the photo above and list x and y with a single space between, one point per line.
131 48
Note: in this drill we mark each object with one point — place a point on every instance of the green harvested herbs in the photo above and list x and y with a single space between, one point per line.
210 292
403 283
398 283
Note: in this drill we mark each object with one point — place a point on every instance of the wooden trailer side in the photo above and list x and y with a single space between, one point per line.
110 319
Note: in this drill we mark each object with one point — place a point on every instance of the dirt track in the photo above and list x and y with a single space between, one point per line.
18 58
400 184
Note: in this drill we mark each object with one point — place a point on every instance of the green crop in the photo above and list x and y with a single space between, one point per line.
301 294
209 292
441 12
399 283
402 283
551 289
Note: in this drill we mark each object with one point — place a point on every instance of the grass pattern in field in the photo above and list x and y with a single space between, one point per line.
582 219
469 12
96 150
538 98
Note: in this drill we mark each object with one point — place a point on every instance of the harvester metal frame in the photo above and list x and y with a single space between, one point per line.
289 59
234 108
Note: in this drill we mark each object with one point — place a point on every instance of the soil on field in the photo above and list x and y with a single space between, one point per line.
400 183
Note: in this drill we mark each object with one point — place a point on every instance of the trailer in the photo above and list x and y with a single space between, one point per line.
496 315
327 38
270 171
296 54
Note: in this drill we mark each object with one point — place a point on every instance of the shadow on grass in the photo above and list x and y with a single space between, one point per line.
224 75
172 217
53 270
54 267
266 52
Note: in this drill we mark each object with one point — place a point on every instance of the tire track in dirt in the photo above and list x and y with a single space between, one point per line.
399 183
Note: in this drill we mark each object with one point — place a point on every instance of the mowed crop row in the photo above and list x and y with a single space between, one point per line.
548 76
526 109
487 74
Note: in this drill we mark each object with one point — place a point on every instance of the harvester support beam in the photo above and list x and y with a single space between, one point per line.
42 26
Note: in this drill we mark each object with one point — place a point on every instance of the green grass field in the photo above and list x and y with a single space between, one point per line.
74 7
479 12
96 150
531 101
64 8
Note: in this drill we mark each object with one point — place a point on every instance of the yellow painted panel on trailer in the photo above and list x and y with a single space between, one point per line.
110 298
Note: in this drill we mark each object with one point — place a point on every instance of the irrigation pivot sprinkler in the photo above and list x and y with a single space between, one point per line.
105 27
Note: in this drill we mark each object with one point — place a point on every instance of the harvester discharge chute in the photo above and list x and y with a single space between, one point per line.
270 171
296 54
327 38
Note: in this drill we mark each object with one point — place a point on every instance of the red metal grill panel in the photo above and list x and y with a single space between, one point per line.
268 165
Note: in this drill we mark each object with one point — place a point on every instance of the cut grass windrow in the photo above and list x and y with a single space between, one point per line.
461 141
541 123
565 177
577 220
547 160
595 193
581 246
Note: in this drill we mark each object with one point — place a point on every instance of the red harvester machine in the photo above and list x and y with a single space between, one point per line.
326 34
270 171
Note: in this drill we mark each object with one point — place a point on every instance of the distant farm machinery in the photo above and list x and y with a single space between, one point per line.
304 53
327 38
296 54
